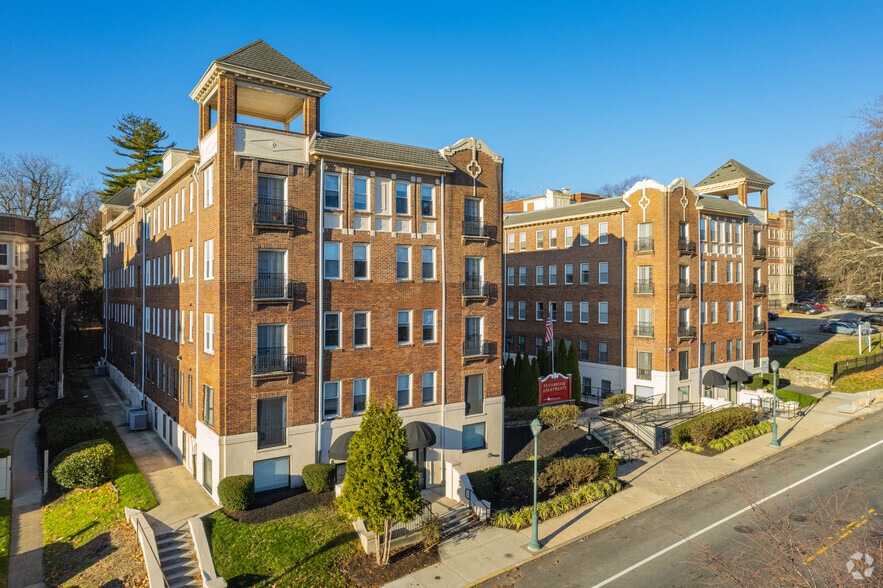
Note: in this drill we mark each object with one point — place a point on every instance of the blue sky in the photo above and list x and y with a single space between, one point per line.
571 94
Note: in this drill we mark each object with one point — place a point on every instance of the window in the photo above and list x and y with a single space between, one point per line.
539 311
190 272
683 365
510 309
568 312
539 275
755 353
729 350
360 261
602 313
702 353
553 311
583 312
428 263
209 268
645 365
568 236
332 261
683 394
360 329
360 395
602 233
702 230
330 400
403 390
426 208
4 343
510 276
583 350
189 390
473 436
553 238
602 272
208 320
583 235
553 275
403 262
4 299
404 327
712 352
522 276
703 313
360 193
402 197
429 326
208 405
522 306
714 312
738 341
208 190
568 273
729 272
539 343
583 273
190 318
474 394
428 395
207 473
508 344
730 311
271 422
510 242
332 330
539 239
602 354
332 191
702 271
522 348
713 274
522 241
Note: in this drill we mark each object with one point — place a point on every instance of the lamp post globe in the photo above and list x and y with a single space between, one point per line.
774 366
535 427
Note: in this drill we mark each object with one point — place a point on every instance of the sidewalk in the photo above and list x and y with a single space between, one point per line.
180 496
26 549
471 557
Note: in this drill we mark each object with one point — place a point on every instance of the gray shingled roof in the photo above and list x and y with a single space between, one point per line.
733 170
723 206
261 57
361 148
593 207
124 197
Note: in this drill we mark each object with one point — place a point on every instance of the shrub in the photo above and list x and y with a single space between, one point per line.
85 465
522 517
318 477
560 416
573 472
618 400
236 492
63 408
522 413
4 452
791 395
608 467
719 423
61 433
431 531
741 436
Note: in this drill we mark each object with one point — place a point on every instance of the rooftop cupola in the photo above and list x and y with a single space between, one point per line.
736 179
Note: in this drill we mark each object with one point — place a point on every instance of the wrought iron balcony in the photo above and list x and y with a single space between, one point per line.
686 246
686 289
644 287
477 289
275 213
271 437
644 330
274 360
758 252
759 326
644 244
476 348
477 229
686 332
644 373
759 289
277 287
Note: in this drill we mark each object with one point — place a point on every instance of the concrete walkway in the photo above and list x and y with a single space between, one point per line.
471 557
26 549
180 496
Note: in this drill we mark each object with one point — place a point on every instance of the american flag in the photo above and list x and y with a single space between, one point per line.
549 335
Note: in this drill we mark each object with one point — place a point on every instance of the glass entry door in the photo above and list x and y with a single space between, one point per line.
418 456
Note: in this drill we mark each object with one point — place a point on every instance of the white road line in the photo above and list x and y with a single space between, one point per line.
732 516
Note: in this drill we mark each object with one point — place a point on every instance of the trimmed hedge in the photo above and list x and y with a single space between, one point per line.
760 381
618 400
85 465
741 436
236 492
4 452
713 425
62 408
522 413
521 518
573 473
61 433
318 477
560 416
793 396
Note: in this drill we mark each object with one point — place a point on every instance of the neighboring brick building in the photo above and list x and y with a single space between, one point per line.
781 259
19 311
662 290
278 277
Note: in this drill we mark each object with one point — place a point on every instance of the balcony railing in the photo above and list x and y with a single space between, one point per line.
476 348
644 330
477 289
644 244
686 289
477 229
759 326
275 361
759 289
278 287
686 332
644 287
644 373
686 246
758 252
275 213
271 437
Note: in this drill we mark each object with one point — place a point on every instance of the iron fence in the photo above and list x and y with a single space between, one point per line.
856 364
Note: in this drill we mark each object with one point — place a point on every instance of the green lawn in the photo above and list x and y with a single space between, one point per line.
301 550
823 357
80 516
790 395
5 521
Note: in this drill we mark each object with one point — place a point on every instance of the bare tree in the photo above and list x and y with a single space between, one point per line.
514 195
613 189
840 203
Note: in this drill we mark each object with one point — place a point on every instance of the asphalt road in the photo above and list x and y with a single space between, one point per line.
628 554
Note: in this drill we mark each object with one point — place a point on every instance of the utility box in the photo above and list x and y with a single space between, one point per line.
138 420
100 370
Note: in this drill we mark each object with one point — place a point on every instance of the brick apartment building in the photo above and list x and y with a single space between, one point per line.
19 312
781 259
663 290
278 277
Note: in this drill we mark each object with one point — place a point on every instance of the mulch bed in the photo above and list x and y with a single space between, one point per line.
551 443
361 569
276 504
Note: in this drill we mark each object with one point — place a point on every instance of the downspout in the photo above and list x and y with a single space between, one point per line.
320 354
744 292
197 351
444 317
702 274
668 349
622 283
143 299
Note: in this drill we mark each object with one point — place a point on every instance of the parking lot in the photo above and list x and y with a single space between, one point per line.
807 325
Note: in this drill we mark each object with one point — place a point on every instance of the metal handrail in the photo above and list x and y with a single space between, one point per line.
686 246
644 287
476 289
686 332
476 228
643 244
476 348
758 288
758 252
686 288
759 326
644 330
472 500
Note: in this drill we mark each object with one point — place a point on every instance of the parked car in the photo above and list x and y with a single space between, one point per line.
776 339
873 307
799 307
852 304
874 319
843 328
792 338
819 305
771 316
874 330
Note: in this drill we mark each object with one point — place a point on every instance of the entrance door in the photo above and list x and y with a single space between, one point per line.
418 456
732 391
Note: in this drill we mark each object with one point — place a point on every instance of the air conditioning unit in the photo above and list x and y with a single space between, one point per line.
138 420
129 411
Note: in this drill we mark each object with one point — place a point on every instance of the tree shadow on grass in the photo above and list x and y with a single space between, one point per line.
334 543
70 561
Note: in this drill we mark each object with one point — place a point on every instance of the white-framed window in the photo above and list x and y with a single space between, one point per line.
428 391
568 236
738 271
553 311
427 207
510 242
191 196
522 276
209 268
208 186
522 241
4 299
583 235
361 261
539 239
360 193
429 326
602 272
360 395
403 262
510 276
403 390
738 311
403 327
553 275
510 309
583 312
713 273
538 311
714 312
568 312
4 343
190 264
602 313
332 260
584 273
332 330
208 335
602 233
361 328
190 320
402 198
428 263
474 437
522 309
730 311
703 313
539 275
332 191
331 400
553 238
568 273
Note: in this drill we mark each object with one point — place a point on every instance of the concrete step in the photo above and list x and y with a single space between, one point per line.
185 572
184 582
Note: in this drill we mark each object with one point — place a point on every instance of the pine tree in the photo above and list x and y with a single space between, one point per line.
576 380
561 358
542 361
525 385
535 385
509 381
139 140
516 381
381 483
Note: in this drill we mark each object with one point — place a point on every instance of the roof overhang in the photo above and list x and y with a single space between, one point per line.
731 187
180 169
348 157
271 82
127 212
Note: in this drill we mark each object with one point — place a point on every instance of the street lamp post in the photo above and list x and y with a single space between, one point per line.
775 367
535 427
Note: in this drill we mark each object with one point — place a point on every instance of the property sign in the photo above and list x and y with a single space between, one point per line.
554 388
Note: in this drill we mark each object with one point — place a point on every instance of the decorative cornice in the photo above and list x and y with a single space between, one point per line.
470 143
215 70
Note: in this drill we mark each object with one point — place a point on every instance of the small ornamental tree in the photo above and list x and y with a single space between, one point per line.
381 483
525 383
516 381
561 366
534 382
509 380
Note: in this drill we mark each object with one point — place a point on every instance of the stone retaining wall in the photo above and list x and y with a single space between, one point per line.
806 378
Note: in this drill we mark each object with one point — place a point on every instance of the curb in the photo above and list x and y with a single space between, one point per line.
873 408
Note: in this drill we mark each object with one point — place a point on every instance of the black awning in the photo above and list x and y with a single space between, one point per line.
737 374
419 435
713 378
340 448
